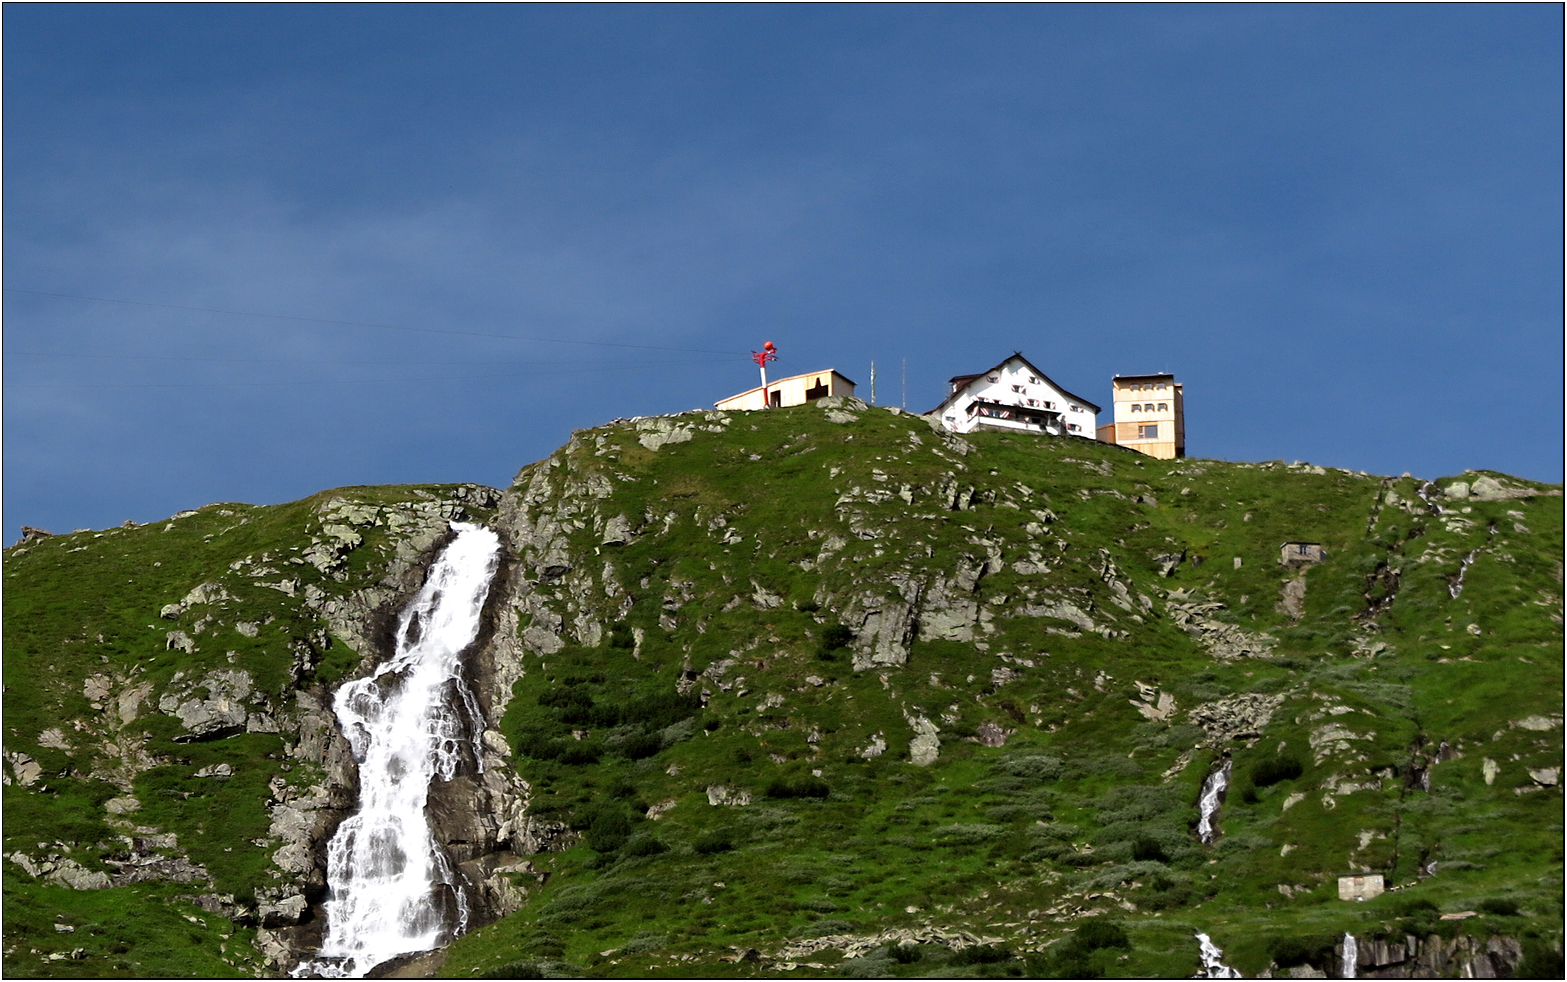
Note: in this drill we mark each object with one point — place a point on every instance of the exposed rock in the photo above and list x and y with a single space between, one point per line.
62 870
991 735
720 794
886 625
1155 706
658 431
289 910
618 531
1224 641
223 709
926 745
26 770
1235 716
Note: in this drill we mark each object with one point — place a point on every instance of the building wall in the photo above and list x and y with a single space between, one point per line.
1142 401
1014 384
792 391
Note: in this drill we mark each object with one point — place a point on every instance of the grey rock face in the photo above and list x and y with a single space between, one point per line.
221 710
1224 641
1226 719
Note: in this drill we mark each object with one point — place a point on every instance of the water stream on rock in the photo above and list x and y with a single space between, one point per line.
393 891
1457 586
1349 956
1213 788
1212 956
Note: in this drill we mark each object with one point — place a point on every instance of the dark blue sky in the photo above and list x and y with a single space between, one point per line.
1340 226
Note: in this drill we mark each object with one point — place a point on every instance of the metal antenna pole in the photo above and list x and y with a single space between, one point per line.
905 403
873 383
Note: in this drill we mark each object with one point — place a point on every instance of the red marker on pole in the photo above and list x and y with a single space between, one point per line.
767 354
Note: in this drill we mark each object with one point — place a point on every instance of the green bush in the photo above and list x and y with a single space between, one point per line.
609 830
1073 958
1274 768
639 746
981 954
642 844
905 954
1035 767
1302 949
807 787
1146 849
714 843
581 753
1500 907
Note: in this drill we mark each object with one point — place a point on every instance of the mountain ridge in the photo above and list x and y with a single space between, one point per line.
1011 659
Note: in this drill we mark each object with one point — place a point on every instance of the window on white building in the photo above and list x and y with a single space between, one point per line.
1077 409
1164 407
1149 431
1160 386
1033 380
1017 388
1147 407
1137 407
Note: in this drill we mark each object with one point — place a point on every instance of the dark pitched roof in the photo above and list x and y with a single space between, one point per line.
960 381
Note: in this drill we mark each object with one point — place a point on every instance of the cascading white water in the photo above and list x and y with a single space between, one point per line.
1212 956
1348 957
1457 585
393 892
1213 788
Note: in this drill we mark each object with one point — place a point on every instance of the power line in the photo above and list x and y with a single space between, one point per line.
321 361
384 327
344 381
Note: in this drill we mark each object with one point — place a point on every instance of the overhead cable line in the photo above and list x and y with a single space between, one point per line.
384 327
335 381
318 361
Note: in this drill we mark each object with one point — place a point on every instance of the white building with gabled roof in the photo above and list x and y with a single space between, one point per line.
1015 396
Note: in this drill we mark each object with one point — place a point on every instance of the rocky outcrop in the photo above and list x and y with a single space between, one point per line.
1225 641
1410 957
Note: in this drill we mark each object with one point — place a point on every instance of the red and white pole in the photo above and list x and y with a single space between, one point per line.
767 354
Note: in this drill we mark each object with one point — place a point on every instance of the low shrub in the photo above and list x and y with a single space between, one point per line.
1274 768
807 787
981 954
905 954
581 753
639 746
1305 949
642 844
713 843
1146 849
1500 907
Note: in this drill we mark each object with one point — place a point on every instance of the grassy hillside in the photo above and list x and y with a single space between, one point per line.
823 687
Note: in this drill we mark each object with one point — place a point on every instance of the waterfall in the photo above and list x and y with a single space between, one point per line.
1213 788
393 891
1213 966
1457 586
1348 957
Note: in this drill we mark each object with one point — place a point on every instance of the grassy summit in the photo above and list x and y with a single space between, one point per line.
867 699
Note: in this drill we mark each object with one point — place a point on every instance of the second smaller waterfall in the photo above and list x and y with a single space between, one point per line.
1212 956
1213 789
1349 957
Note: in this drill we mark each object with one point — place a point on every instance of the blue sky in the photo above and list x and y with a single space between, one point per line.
1340 226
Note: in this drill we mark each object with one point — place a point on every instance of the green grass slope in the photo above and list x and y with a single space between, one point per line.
828 689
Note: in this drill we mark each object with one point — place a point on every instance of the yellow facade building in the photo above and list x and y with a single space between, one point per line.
1150 416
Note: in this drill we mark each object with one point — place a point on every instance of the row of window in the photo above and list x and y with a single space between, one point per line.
1146 386
1147 407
